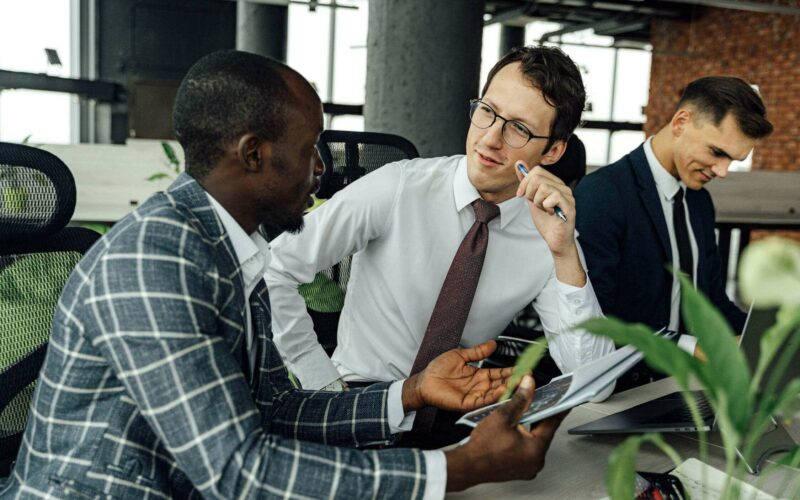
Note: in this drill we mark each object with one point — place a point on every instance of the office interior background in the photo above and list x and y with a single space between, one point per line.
106 71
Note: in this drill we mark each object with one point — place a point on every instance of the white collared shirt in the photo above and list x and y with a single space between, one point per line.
668 187
403 224
254 254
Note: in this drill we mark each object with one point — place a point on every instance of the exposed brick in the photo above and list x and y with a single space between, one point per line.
760 48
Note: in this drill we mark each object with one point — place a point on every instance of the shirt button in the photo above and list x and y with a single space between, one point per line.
577 302
578 310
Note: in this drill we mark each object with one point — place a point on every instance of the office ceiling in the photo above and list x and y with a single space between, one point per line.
625 20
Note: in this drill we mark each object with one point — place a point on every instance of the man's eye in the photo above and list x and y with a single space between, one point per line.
519 128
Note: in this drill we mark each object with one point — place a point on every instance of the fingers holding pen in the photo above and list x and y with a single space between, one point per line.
544 190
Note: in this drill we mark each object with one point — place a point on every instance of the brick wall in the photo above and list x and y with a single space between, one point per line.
763 49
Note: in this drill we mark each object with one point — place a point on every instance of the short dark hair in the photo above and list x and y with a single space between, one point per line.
716 96
551 71
224 95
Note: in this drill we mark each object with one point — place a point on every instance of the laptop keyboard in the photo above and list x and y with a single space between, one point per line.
682 413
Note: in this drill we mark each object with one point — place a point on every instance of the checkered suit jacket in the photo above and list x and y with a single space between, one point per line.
142 395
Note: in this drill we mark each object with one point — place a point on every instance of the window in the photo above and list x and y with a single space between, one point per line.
23 112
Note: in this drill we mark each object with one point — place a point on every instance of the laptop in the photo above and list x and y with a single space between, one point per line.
670 413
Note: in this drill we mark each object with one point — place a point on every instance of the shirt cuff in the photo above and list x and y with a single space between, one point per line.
436 474
579 301
399 421
687 343
314 369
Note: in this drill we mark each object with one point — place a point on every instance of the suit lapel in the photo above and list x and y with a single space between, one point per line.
186 191
648 193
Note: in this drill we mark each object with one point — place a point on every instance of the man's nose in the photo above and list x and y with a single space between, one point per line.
494 135
720 169
319 166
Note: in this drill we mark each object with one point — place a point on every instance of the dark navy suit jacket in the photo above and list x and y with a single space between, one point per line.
623 234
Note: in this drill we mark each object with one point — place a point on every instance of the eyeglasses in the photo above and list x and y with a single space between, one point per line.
483 116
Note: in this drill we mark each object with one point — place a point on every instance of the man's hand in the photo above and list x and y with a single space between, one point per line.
544 192
450 383
499 448
699 354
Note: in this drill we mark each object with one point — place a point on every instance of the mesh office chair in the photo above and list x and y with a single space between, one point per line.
347 156
37 254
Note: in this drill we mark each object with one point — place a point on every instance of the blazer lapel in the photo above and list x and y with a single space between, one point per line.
186 191
648 193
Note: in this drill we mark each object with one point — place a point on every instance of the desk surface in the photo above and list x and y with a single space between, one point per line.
577 466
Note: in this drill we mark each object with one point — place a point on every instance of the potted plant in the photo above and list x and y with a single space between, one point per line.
744 400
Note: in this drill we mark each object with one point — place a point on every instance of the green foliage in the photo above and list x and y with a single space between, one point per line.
171 157
97 227
622 464
743 403
525 364
173 164
726 374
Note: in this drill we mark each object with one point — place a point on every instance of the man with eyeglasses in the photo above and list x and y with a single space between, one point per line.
411 289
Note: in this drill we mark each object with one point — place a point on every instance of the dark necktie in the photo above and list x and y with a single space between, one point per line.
455 299
682 234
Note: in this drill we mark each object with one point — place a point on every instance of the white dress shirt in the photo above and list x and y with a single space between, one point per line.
254 255
668 187
403 224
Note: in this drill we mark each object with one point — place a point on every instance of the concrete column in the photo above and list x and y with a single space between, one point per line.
423 66
262 29
510 37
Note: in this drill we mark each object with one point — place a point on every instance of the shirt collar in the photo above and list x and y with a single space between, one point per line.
465 193
252 251
667 185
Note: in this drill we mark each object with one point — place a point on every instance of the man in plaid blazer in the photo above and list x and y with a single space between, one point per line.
161 378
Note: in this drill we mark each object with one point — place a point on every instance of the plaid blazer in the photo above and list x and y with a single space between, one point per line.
142 394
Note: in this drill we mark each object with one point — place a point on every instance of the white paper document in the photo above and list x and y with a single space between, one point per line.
571 389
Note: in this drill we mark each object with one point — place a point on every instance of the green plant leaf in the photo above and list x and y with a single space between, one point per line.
660 353
96 227
157 176
726 369
622 464
525 364
170 154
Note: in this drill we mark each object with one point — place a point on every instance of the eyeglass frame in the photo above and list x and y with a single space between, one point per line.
473 104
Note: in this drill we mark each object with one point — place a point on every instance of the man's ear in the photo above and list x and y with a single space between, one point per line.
555 152
680 120
253 152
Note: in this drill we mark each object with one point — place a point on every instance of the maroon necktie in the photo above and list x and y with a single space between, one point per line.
455 299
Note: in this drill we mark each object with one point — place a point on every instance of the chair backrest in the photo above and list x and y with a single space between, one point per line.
37 255
347 156
571 167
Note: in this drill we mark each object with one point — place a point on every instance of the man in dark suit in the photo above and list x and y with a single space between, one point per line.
648 212
161 378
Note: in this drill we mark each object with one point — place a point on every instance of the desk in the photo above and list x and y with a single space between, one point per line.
754 200
577 466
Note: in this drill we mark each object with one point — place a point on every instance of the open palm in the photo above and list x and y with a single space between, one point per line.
450 383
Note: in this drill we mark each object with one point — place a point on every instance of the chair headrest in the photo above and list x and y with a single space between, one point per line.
37 192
